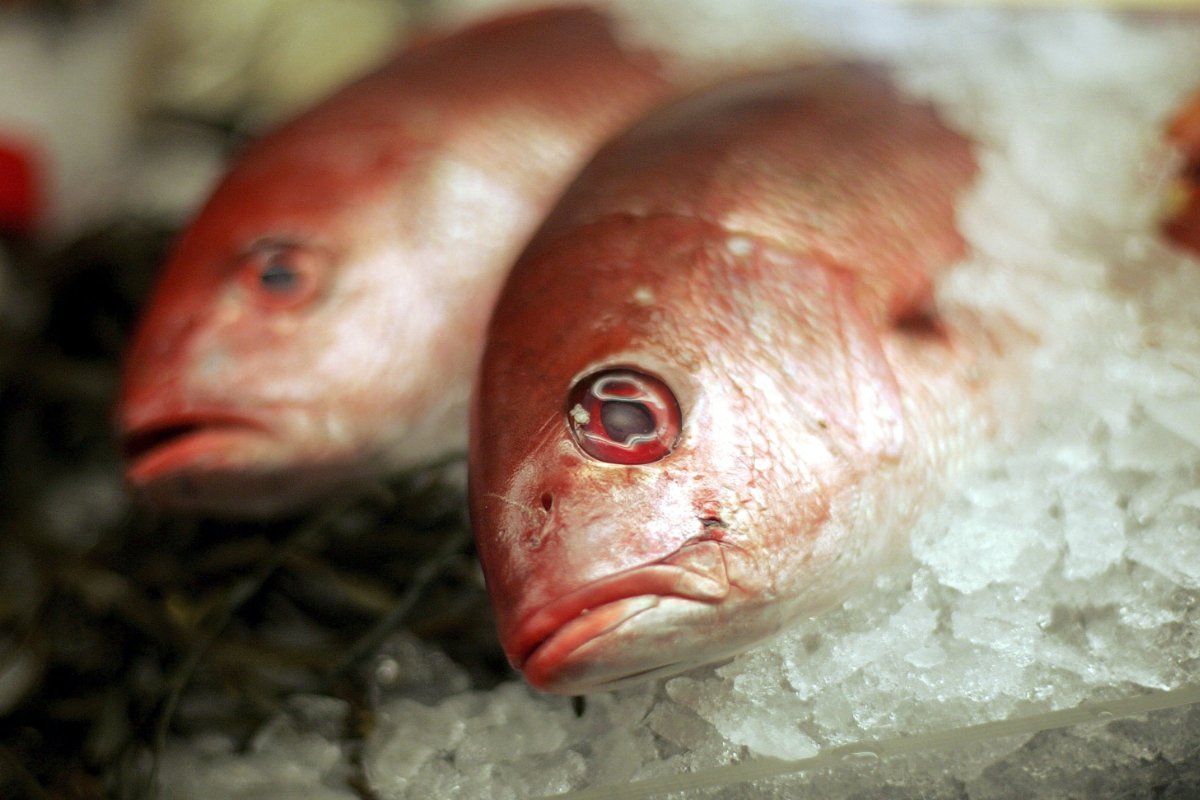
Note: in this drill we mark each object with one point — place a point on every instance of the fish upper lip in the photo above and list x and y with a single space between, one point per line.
696 571
143 438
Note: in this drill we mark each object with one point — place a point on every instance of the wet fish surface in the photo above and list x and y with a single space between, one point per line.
716 390
320 320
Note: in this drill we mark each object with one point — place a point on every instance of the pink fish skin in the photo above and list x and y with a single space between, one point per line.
715 393
1183 225
319 322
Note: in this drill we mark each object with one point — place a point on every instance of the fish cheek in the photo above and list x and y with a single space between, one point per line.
625 515
762 493
529 502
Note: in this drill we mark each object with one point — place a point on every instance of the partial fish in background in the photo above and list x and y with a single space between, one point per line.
1183 223
320 320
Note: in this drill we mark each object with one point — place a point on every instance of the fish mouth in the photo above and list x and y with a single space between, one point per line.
609 632
174 443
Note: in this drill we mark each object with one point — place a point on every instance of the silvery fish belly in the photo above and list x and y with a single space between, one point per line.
716 391
1182 224
319 322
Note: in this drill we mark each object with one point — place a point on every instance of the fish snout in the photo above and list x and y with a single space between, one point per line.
182 435
157 366
163 338
145 396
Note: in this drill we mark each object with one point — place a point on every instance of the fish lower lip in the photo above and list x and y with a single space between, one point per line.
694 572
166 443
625 642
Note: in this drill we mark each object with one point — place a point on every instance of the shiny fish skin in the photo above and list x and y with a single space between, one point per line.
1183 225
396 206
767 249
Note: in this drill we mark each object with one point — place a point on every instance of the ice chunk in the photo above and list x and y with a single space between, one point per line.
1149 447
989 543
477 744
405 667
1190 499
1179 415
1171 545
1094 528
300 753
741 716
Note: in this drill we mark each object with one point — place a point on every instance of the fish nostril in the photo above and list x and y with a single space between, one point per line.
547 501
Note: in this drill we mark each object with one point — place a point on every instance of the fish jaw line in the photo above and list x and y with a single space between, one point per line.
627 642
695 573
170 444
238 462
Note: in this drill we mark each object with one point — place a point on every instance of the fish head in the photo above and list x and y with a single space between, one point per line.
636 510
285 347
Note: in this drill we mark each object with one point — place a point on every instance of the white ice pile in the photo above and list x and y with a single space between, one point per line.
1065 570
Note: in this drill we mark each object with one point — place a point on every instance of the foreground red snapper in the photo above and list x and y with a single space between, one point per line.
715 391
320 321
1183 225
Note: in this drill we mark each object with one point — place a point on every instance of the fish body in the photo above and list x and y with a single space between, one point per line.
715 392
320 320
1183 225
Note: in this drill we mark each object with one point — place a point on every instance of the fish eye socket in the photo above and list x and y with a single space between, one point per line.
284 275
622 416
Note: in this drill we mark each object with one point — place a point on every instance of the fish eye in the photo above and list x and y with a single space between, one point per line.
282 275
622 416
279 276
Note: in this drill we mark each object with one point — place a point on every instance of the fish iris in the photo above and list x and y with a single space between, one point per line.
621 416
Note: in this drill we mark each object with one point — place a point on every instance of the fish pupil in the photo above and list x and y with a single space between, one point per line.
623 420
278 277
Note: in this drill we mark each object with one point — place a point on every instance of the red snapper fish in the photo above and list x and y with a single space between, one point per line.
319 322
1183 225
716 390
